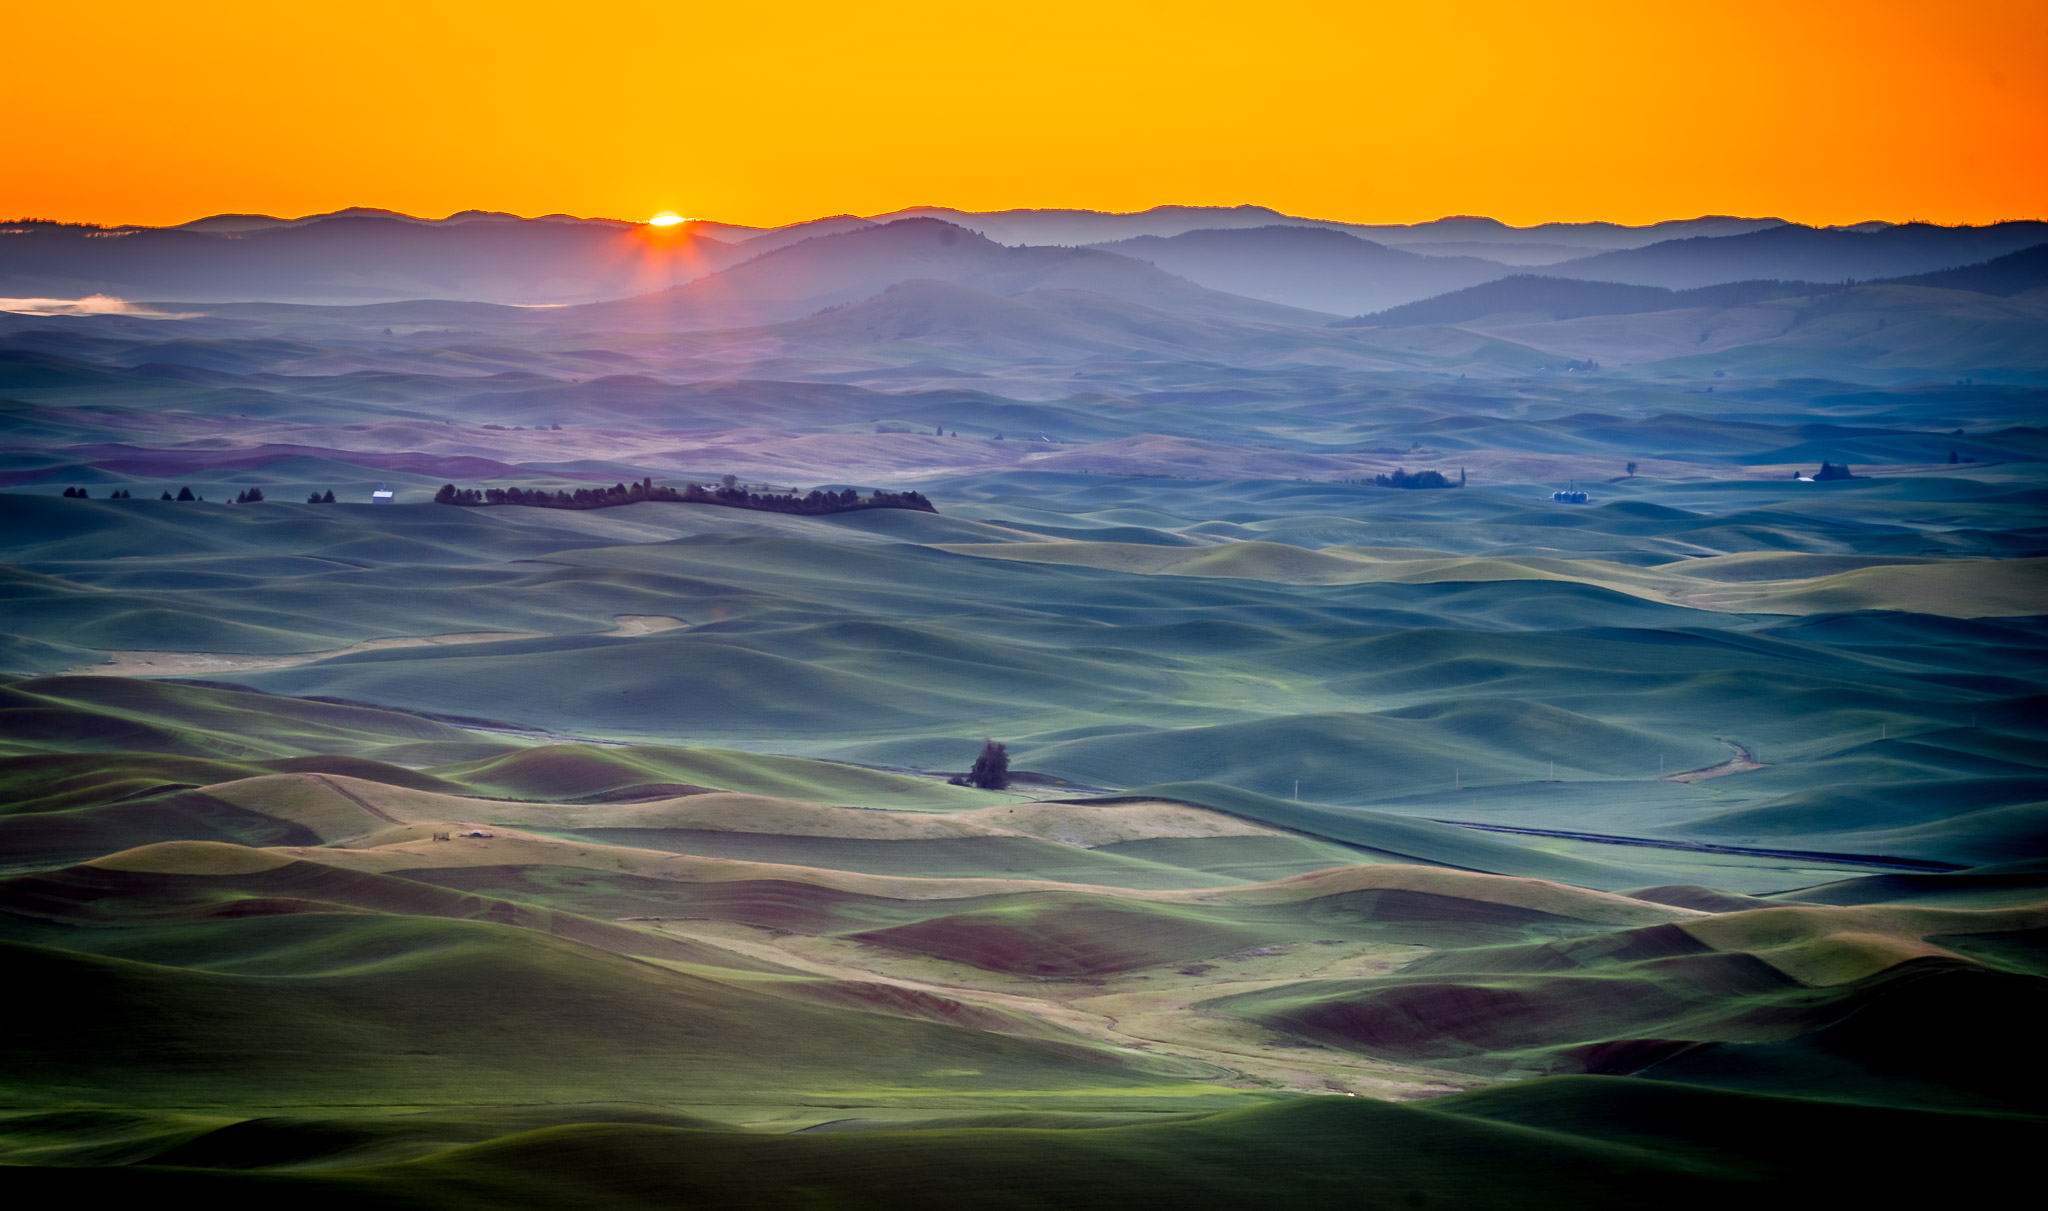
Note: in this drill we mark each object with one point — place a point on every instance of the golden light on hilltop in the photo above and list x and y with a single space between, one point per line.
667 218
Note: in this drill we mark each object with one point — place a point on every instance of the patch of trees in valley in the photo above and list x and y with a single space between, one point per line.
1401 478
729 494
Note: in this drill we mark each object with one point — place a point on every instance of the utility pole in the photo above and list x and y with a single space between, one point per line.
1457 779
1660 765
1297 790
1553 771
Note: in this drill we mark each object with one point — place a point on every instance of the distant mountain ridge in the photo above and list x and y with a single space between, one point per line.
359 259
1318 268
2013 273
225 223
1543 296
1539 296
1808 254
802 279
367 255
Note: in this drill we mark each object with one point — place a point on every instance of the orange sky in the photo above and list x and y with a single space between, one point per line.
1823 111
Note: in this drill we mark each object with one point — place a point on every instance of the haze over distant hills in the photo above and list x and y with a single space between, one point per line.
1805 254
365 254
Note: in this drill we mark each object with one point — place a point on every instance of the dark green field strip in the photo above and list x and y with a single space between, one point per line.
1929 1033
128 913
1636 1015
1401 838
952 857
47 839
96 713
381 1010
1250 859
1912 864
1582 1142
1982 887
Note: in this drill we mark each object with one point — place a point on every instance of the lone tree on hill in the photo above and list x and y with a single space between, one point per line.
186 494
991 770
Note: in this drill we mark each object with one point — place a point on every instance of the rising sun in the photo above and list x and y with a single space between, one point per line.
667 218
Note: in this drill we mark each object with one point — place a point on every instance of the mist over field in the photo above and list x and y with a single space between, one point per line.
1195 707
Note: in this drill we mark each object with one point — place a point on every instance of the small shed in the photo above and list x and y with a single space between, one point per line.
383 495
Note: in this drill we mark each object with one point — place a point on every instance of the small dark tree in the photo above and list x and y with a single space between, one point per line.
328 499
166 495
1951 456
1631 468
991 770
186 494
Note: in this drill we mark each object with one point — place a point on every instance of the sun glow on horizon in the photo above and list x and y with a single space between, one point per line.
667 218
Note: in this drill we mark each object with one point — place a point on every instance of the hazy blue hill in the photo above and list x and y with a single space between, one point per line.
955 318
1534 296
826 271
1315 268
1807 254
359 258
1479 229
1073 228
1078 227
2013 273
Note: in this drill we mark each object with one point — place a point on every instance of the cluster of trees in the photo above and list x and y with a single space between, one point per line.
1830 470
729 493
248 496
1421 479
991 770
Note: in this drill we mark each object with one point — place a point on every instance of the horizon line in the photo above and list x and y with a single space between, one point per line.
484 214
